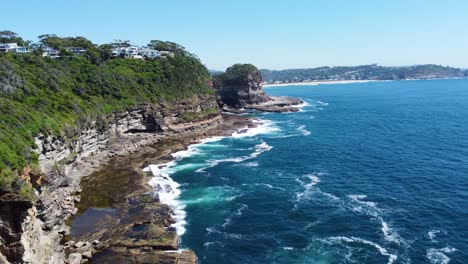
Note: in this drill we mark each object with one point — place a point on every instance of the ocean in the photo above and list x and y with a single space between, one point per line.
364 173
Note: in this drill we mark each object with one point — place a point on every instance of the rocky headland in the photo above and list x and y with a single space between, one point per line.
93 202
241 87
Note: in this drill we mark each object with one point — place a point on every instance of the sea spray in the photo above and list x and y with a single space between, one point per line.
168 191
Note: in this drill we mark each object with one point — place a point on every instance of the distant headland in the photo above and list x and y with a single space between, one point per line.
363 73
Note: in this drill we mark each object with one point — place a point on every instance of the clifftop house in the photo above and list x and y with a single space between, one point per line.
50 52
134 52
13 48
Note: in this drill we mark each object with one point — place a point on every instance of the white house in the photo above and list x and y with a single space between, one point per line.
127 52
6 47
149 53
13 48
50 52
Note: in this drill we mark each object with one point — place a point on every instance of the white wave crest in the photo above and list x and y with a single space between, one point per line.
432 234
251 164
258 150
322 103
265 185
314 180
262 127
384 252
371 209
303 130
168 193
438 256
237 213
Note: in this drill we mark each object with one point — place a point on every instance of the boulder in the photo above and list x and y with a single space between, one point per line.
75 258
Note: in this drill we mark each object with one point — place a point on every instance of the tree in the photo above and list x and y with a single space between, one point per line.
7 36
106 51
118 43
166 46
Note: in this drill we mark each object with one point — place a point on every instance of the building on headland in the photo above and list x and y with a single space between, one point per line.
127 52
149 53
134 52
13 48
76 50
50 52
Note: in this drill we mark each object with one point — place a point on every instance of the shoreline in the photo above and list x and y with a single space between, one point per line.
168 190
313 83
139 189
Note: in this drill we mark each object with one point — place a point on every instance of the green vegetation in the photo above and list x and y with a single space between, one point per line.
190 116
7 36
62 96
365 72
237 73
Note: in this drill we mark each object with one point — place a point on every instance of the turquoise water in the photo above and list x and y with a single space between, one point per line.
365 173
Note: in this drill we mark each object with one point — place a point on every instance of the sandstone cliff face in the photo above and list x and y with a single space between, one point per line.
241 86
241 89
33 232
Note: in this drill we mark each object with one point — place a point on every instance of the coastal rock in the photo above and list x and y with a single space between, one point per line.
241 87
187 257
75 258
34 236
278 104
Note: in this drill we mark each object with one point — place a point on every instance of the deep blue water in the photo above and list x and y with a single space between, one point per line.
366 173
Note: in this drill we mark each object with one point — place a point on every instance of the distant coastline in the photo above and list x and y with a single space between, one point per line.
313 83
318 83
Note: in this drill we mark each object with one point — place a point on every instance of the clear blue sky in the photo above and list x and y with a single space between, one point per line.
268 33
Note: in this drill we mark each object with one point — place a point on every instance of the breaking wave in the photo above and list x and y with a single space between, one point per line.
383 251
438 256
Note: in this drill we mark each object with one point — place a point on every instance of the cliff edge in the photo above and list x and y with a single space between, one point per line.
241 87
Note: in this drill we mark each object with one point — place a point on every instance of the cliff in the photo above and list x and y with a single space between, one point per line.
62 119
33 232
241 86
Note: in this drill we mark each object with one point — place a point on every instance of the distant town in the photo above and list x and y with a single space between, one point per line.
130 52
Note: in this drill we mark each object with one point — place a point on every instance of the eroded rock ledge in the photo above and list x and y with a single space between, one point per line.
34 233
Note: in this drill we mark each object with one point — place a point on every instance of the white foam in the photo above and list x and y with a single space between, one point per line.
432 234
322 103
312 224
168 192
262 127
303 130
391 257
251 164
389 234
371 209
237 213
266 185
314 180
437 256
207 244
304 104
288 248
258 150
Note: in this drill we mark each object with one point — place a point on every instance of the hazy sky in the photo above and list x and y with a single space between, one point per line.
268 33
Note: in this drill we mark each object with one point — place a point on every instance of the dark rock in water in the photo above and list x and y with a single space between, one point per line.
278 104
242 87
